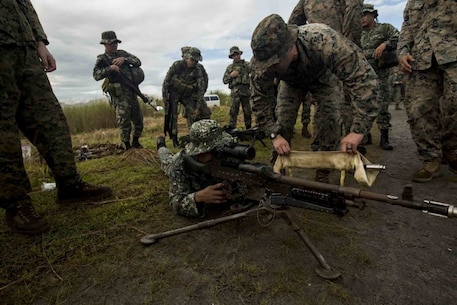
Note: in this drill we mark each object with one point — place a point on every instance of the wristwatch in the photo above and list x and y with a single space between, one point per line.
273 135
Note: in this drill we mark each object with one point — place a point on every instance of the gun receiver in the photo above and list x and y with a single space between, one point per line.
276 193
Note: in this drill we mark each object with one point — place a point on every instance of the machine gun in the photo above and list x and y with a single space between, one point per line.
124 80
275 194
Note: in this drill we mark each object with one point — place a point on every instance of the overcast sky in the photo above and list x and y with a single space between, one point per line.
155 31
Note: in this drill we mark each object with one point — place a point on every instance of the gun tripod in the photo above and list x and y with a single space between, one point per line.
272 211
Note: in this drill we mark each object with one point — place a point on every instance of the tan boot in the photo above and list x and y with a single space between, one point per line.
430 169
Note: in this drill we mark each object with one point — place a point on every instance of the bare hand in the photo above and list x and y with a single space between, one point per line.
281 146
47 60
118 61
377 53
115 68
350 142
405 65
234 73
213 194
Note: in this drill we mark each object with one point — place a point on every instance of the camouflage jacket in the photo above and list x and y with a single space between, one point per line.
103 62
429 29
183 184
19 24
242 79
381 32
205 76
183 82
322 53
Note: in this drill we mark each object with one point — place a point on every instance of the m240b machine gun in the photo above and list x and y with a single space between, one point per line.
276 194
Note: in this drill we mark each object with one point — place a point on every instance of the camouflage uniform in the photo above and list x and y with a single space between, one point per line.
122 97
371 39
324 57
341 15
27 104
344 17
186 86
428 34
205 135
239 87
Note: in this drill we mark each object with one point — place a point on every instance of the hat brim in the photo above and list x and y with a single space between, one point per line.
231 55
265 64
104 41
193 149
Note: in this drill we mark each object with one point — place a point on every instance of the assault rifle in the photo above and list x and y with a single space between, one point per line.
124 80
251 134
275 194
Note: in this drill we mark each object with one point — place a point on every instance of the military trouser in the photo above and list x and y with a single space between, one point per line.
326 123
383 97
431 105
306 110
28 104
238 100
128 114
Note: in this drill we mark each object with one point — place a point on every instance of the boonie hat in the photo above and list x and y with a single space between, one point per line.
234 50
184 50
271 40
109 37
206 135
369 8
195 54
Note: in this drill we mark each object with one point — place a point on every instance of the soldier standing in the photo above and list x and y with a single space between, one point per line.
237 77
428 54
377 40
184 84
27 104
116 66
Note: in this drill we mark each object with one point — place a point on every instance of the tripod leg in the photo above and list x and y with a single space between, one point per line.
324 271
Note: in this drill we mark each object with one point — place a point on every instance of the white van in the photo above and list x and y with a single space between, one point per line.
212 100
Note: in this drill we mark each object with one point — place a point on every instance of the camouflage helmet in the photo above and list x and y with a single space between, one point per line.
184 50
271 40
109 37
369 8
234 50
206 135
194 54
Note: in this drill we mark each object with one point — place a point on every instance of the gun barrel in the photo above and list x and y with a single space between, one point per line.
379 167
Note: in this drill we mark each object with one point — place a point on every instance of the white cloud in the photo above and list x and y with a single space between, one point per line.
155 30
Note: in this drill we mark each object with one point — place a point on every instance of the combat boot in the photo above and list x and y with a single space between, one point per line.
384 142
136 143
160 142
23 219
451 158
305 133
81 191
175 141
127 145
322 175
430 169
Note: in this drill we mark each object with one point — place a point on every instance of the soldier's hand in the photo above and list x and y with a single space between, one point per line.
377 53
114 68
213 194
350 142
47 60
405 65
118 61
234 73
281 145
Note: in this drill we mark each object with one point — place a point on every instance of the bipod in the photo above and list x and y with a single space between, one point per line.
324 270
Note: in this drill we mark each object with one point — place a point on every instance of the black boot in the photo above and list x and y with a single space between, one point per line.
136 143
384 143
175 141
161 142
127 145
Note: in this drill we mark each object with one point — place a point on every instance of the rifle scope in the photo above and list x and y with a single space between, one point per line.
239 151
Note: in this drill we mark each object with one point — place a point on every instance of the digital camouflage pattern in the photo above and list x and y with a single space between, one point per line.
239 90
205 135
28 104
325 57
429 34
124 100
371 39
341 15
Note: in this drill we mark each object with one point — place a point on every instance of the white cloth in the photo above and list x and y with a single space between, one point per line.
330 160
